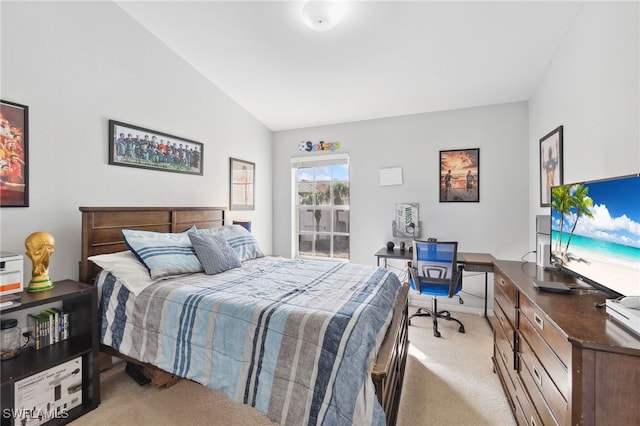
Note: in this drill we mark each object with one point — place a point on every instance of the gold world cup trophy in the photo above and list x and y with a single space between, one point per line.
40 247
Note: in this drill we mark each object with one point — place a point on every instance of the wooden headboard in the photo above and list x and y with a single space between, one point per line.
102 227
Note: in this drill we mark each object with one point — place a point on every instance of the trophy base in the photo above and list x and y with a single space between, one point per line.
40 285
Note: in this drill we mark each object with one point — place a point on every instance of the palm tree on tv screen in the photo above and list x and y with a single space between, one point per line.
582 204
561 202
568 199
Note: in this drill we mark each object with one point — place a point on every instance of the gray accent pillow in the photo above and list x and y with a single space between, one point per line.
214 252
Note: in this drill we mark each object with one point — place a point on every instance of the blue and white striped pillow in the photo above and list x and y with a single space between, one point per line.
164 254
241 240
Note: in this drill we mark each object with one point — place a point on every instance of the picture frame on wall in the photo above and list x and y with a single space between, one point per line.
551 169
406 223
135 146
460 176
14 163
241 184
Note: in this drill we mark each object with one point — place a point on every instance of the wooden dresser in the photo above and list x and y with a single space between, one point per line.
561 359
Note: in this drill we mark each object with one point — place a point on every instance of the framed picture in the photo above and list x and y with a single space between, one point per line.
14 155
241 184
550 164
407 214
134 146
460 175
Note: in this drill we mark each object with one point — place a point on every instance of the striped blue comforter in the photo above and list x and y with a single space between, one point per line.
295 339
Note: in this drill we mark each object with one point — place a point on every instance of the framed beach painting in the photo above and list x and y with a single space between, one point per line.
460 175
550 164
14 154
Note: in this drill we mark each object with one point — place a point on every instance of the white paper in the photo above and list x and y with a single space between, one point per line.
391 176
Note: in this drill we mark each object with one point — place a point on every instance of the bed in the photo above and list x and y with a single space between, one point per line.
330 385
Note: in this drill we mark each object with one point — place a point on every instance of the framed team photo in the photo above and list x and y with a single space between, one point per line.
134 146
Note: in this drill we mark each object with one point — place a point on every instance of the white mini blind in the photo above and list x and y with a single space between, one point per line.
319 160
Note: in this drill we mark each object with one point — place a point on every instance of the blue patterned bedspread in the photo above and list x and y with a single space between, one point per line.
296 339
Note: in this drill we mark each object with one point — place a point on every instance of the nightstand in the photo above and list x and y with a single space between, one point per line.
60 381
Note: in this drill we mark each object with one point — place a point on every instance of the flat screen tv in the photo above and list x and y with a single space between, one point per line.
595 233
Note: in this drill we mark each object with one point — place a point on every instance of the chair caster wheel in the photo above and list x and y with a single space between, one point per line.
460 301
436 333
409 322
461 329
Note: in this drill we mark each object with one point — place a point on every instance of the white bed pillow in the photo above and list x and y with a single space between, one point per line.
126 268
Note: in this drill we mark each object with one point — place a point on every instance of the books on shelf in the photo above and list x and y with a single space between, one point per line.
48 327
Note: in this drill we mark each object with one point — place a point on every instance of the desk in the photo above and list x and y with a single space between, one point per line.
395 253
472 262
479 262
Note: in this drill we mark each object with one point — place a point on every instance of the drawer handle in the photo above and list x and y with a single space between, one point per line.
504 357
501 318
533 421
538 377
502 281
539 321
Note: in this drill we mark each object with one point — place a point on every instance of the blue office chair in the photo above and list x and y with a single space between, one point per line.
434 271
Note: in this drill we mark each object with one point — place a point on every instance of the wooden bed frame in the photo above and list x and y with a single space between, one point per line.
102 233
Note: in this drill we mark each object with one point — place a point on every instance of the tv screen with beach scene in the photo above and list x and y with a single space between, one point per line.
595 233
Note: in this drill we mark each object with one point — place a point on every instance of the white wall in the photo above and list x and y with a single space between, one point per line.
79 64
592 89
497 224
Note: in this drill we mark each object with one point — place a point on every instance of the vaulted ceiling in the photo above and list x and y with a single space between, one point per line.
383 59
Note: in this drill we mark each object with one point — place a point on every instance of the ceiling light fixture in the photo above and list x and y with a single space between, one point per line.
322 15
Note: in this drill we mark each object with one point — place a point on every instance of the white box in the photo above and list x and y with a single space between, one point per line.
49 394
626 312
11 273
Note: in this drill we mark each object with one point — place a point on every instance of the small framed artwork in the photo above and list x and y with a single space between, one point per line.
241 184
550 164
406 221
134 146
460 175
14 162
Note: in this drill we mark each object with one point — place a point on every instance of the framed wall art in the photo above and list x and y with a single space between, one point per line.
134 146
407 214
550 164
460 175
241 184
14 155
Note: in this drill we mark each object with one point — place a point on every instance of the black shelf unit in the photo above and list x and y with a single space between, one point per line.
81 301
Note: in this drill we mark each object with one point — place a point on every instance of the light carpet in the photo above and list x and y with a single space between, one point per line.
448 381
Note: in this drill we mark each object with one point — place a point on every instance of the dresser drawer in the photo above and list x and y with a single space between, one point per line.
506 294
500 321
537 400
546 356
553 337
552 406
506 352
528 414
506 372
